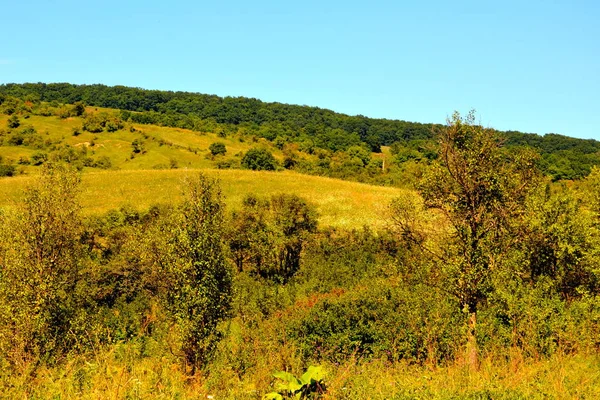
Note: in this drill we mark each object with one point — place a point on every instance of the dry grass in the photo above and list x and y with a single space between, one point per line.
119 373
339 203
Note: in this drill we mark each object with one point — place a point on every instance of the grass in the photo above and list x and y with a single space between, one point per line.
339 203
119 372
161 144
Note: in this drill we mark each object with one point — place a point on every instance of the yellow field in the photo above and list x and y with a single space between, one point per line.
339 203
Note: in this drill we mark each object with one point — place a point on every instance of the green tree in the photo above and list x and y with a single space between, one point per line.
481 190
269 236
78 109
217 148
42 308
259 159
199 287
360 153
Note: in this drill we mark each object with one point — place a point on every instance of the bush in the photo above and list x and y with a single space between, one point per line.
416 323
42 287
7 170
13 122
39 158
259 159
217 148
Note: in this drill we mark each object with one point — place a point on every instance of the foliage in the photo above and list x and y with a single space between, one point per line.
42 286
268 236
7 170
13 122
309 386
217 148
198 293
259 159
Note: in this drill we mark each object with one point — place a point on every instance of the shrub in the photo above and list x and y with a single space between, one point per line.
416 324
217 148
42 291
13 122
259 159
7 170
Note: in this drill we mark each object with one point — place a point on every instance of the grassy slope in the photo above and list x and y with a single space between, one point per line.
133 181
340 203
189 148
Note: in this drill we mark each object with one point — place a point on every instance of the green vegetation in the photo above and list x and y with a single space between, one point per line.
304 128
217 148
259 160
145 261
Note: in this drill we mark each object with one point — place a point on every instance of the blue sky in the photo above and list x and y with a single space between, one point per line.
532 66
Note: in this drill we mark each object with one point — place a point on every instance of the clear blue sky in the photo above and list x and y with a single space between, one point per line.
527 65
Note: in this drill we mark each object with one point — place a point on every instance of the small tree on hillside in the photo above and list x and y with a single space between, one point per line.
217 148
41 256
199 283
259 159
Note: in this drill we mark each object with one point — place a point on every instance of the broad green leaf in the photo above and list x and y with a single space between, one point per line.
312 374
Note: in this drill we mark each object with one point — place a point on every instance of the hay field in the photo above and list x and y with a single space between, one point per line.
339 203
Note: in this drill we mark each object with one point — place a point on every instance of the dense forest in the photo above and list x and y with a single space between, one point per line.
311 127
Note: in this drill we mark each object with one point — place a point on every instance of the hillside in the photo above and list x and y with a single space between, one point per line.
339 203
562 157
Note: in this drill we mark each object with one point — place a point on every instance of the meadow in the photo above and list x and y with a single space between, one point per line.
339 203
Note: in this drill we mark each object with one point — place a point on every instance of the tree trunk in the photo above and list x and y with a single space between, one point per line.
472 350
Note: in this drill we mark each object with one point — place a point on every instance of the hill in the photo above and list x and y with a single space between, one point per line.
562 157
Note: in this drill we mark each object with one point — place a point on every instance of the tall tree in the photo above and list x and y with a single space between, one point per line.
481 191
199 279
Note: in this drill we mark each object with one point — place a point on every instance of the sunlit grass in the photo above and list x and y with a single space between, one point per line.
339 203
119 372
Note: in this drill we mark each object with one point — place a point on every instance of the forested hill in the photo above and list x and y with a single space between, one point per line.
184 110
562 157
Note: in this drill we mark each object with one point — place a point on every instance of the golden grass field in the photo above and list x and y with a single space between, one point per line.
339 203
141 180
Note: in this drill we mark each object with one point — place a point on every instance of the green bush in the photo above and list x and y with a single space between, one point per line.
416 323
217 148
43 295
7 170
259 159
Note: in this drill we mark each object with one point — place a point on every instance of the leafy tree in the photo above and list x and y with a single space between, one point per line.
199 287
294 219
217 148
78 109
560 242
42 307
481 190
360 153
13 122
270 235
259 159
